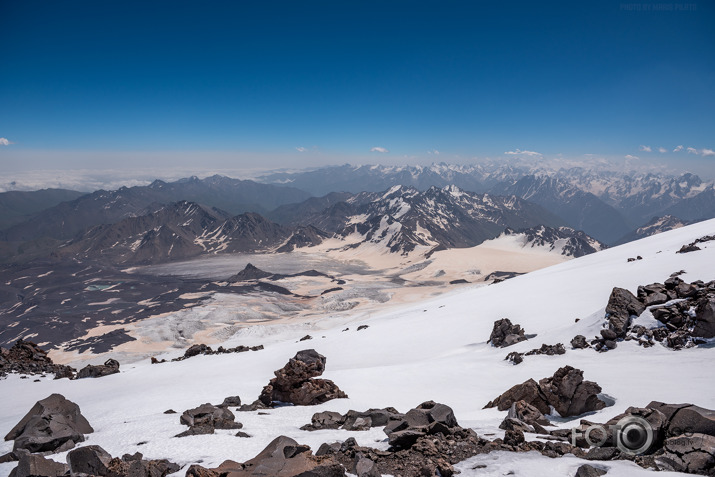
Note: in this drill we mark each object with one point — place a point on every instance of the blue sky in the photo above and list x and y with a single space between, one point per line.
107 83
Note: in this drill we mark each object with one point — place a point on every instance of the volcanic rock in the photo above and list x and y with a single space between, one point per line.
111 366
705 317
54 424
208 415
95 461
587 470
31 465
621 306
283 457
692 453
25 357
505 334
426 419
579 342
294 382
566 391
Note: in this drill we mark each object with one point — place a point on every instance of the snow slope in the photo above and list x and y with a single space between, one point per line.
435 349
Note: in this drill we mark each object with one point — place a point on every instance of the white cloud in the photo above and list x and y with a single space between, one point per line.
678 149
662 150
381 150
645 148
707 152
433 151
519 152
300 149
5 142
692 150
628 156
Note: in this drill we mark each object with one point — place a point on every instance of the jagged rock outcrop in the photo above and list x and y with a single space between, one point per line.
686 310
295 383
622 305
505 334
566 391
54 424
111 366
25 357
283 457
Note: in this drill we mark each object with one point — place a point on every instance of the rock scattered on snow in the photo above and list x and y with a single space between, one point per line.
505 334
25 357
54 424
548 350
352 420
294 382
283 457
587 470
93 460
202 349
31 465
111 366
566 391
622 305
205 418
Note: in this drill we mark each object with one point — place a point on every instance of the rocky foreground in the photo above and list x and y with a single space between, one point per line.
425 441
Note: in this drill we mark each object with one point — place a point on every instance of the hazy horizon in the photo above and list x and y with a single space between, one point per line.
233 86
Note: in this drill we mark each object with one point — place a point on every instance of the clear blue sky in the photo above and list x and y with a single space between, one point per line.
106 79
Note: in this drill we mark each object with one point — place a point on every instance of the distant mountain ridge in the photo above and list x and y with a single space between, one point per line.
183 230
235 196
564 240
18 206
403 218
607 204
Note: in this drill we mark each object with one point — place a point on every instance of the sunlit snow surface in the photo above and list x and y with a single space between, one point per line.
434 349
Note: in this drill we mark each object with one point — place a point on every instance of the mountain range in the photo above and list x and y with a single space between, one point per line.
606 203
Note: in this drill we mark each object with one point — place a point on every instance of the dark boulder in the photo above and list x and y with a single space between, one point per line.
324 420
505 334
54 424
32 465
527 413
95 461
705 317
528 391
283 457
111 366
579 342
622 305
89 460
569 394
692 453
231 401
294 382
210 415
428 418
566 391
587 470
